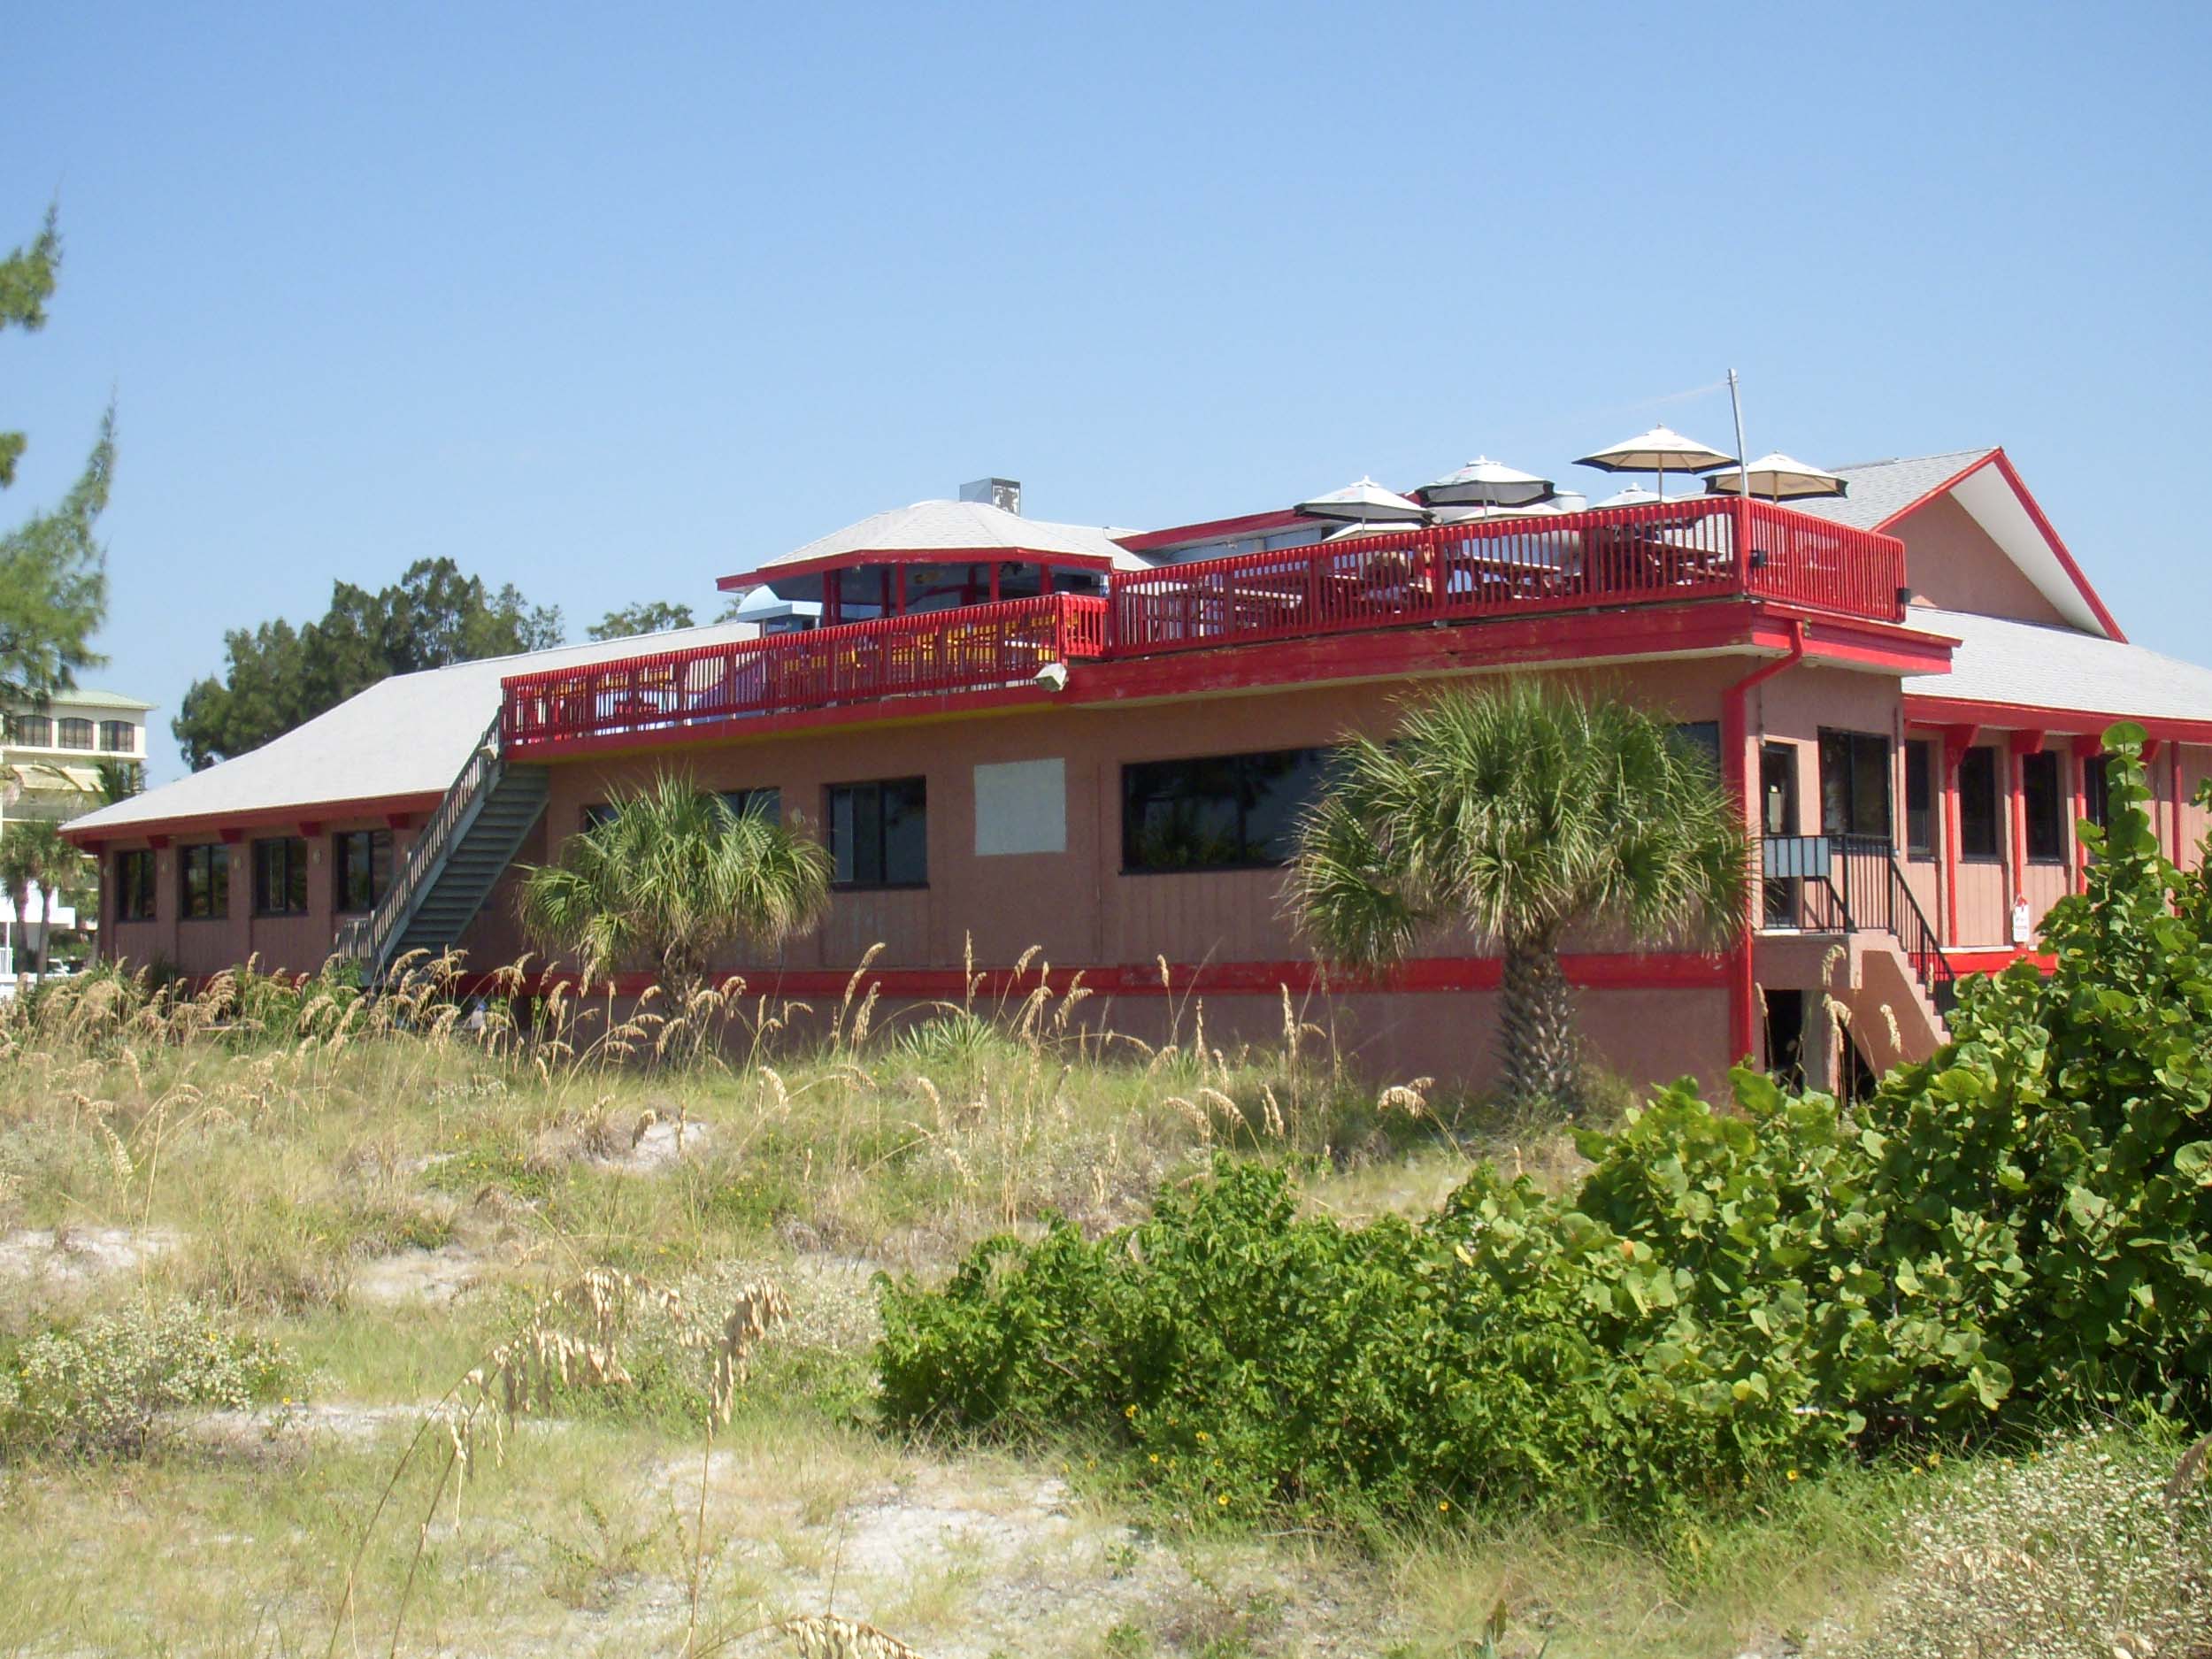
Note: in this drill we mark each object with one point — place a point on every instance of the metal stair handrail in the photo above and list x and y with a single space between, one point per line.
369 939
1866 891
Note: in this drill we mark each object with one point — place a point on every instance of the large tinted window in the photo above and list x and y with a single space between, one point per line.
1704 737
879 833
1854 783
2044 807
1919 797
766 801
2096 791
363 861
1979 815
1220 812
280 877
76 734
134 887
118 737
35 731
204 881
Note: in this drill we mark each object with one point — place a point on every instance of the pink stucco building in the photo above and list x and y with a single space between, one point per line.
1019 734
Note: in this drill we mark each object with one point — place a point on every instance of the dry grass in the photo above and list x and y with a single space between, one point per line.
610 1283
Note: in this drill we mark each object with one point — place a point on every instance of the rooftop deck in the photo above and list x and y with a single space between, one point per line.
1665 554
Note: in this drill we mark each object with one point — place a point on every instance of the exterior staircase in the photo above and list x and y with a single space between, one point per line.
450 869
1900 986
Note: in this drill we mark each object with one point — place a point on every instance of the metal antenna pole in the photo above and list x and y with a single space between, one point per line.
1743 456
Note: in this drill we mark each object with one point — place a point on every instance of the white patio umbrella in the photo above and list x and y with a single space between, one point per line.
1635 496
1486 483
1661 450
1779 477
1354 531
1364 503
1476 515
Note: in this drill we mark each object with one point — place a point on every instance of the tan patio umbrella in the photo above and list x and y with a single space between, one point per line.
1779 477
1661 450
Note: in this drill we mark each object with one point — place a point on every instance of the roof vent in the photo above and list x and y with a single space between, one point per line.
1003 493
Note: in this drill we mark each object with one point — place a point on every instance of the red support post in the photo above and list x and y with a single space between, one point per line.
1956 740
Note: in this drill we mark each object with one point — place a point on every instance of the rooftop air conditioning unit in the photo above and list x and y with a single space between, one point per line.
1003 493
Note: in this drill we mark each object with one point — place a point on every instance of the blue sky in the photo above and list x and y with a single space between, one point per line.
607 302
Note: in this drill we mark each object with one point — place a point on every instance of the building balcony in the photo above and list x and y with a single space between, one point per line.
1668 554
975 648
1663 554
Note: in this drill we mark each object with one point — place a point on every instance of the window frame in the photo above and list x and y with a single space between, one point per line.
118 729
2096 789
284 858
1996 853
879 786
137 892
73 725
1851 740
1920 768
1318 755
2056 810
20 728
742 801
216 856
341 868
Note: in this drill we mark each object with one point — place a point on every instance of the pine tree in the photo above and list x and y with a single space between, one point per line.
53 572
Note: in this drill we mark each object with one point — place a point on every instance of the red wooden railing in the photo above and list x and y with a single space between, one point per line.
975 648
1661 553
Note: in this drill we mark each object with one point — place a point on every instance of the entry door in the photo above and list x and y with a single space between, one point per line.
1778 817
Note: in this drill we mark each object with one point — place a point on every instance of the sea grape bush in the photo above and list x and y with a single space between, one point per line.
2017 1229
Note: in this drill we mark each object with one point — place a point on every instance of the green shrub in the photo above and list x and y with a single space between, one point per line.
2021 1228
2046 1177
100 1387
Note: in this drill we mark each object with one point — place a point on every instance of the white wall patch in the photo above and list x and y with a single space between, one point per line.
1021 806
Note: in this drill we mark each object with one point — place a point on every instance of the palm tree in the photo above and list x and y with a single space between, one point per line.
17 872
1526 812
32 852
671 875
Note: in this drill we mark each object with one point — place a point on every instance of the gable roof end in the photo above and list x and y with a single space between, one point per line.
1986 484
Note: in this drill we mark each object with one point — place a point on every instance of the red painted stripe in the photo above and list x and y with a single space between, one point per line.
1595 971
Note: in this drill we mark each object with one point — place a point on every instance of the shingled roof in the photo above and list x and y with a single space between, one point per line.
970 529
406 736
1879 490
2041 666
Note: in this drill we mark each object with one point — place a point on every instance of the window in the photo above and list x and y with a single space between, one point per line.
1224 812
134 887
1978 815
203 882
599 812
1704 737
362 860
118 737
1920 797
2044 807
280 877
767 801
2096 791
33 731
76 734
1854 783
879 833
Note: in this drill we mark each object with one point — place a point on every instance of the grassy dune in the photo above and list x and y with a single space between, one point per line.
402 1212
